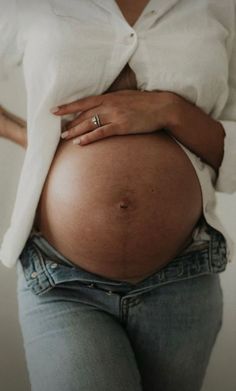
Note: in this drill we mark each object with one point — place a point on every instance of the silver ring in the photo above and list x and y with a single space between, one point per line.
96 120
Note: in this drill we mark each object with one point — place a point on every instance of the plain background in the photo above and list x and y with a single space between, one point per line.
13 372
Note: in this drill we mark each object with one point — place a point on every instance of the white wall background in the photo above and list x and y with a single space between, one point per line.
13 374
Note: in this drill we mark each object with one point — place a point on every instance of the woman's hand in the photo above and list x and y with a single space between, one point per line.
120 112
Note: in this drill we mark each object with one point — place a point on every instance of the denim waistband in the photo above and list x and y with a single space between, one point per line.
45 267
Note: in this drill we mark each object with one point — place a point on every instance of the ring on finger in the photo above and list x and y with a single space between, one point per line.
96 120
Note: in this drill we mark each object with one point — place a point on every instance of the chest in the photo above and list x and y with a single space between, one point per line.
180 48
131 12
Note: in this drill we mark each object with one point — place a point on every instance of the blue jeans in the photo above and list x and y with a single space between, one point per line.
83 332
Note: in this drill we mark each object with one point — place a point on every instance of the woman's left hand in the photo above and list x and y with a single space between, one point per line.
121 112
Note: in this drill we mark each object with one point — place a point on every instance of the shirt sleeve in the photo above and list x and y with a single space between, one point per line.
11 52
226 179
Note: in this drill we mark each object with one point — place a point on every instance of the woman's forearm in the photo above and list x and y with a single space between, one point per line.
14 128
200 133
17 134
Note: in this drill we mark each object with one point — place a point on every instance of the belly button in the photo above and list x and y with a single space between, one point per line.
127 204
124 203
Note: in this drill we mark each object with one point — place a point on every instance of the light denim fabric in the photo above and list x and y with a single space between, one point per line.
83 332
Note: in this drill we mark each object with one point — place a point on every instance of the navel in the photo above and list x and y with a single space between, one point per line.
126 203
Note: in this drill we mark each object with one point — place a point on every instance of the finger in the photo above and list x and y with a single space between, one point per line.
83 124
79 119
81 128
71 124
88 115
95 135
78 105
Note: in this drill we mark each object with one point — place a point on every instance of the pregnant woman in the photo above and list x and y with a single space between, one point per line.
118 281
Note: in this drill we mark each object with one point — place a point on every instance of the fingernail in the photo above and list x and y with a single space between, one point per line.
76 141
54 109
64 134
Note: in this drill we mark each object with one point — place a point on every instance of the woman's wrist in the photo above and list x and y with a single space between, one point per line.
171 112
198 132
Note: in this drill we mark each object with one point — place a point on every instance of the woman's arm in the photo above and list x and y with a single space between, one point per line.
13 128
198 132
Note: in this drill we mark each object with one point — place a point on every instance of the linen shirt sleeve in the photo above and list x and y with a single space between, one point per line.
11 52
226 180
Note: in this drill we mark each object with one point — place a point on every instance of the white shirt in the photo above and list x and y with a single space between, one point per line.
76 48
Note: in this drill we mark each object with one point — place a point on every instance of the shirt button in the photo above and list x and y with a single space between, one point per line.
152 12
129 39
34 274
54 265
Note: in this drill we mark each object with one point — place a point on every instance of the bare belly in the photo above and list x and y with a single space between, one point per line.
121 207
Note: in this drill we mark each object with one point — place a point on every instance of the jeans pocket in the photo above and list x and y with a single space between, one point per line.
32 270
44 271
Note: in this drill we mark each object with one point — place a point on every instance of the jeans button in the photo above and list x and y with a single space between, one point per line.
54 265
34 274
109 293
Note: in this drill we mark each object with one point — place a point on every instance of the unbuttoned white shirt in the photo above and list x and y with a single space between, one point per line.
76 48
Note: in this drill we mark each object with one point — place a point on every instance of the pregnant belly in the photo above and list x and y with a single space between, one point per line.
121 207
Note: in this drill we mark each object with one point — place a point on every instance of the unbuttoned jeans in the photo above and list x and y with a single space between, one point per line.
84 332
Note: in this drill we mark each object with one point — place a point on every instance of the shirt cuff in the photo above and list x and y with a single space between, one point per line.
226 180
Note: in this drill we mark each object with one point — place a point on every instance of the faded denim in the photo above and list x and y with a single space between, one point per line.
83 332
